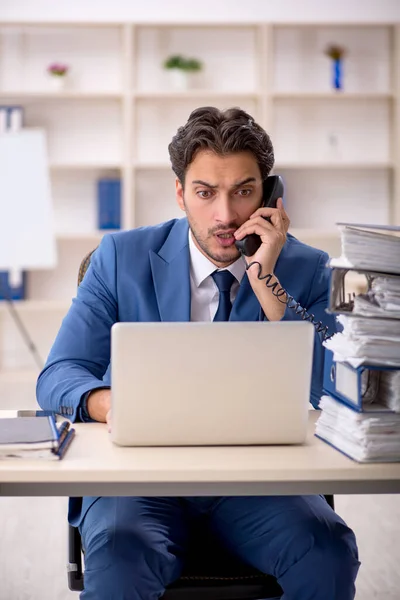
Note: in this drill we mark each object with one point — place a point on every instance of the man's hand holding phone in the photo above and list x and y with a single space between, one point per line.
272 233
273 237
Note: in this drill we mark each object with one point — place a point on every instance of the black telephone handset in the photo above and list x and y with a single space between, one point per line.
272 190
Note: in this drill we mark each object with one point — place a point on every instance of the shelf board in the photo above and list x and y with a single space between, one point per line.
61 95
94 236
36 306
192 94
303 233
332 95
146 166
181 24
333 165
85 166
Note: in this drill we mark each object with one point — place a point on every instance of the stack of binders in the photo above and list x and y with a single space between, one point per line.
361 403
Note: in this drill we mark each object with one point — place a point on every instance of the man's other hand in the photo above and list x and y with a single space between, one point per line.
99 405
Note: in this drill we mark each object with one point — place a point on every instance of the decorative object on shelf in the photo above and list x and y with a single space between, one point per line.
58 73
109 203
336 53
181 69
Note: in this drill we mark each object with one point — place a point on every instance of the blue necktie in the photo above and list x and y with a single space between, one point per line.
223 280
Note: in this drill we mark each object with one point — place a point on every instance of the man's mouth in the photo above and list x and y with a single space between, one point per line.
225 238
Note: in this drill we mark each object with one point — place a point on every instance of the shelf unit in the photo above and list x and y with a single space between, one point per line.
339 152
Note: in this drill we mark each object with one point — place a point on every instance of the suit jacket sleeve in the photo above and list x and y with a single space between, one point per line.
80 355
316 305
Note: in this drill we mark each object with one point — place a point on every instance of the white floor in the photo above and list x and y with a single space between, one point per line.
33 548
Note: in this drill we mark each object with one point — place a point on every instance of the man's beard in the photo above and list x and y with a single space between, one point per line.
224 256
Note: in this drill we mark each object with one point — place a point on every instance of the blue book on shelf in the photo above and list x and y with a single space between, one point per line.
109 203
11 292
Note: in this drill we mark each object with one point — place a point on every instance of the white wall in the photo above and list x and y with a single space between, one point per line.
372 11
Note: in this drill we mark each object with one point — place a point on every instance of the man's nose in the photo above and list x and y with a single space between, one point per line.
225 212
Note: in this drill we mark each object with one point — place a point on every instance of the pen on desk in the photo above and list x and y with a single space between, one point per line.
66 444
63 432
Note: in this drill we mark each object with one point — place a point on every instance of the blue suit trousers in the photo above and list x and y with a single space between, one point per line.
135 547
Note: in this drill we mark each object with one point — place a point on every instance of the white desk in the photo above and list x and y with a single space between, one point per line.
93 466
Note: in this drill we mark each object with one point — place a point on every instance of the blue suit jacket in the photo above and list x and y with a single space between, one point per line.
144 275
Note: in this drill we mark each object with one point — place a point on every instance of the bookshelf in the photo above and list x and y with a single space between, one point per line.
338 152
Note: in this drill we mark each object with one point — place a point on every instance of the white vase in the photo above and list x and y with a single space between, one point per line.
57 82
179 80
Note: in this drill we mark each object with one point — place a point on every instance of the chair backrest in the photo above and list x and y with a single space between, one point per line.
84 266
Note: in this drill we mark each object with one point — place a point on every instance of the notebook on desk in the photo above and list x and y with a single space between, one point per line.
178 384
34 437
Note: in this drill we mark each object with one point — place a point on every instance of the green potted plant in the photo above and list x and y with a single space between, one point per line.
181 69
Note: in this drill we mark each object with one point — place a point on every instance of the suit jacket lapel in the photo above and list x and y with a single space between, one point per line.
171 274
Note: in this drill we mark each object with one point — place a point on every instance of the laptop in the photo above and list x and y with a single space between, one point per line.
225 383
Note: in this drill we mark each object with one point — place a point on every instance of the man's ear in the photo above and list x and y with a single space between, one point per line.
179 194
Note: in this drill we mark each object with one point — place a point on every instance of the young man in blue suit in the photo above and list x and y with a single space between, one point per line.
181 271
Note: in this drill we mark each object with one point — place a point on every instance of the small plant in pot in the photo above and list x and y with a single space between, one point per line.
181 69
58 75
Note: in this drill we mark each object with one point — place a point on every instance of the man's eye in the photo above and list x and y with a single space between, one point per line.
205 194
244 193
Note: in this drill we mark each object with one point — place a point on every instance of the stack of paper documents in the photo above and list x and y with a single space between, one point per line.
366 341
389 389
34 437
382 300
370 247
385 291
369 436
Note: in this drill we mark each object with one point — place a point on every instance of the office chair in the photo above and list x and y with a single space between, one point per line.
210 572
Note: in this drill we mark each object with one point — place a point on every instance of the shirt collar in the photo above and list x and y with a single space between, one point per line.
201 267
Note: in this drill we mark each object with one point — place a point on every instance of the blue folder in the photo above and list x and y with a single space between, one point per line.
109 203
351 386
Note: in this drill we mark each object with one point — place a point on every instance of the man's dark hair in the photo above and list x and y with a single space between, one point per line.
223 132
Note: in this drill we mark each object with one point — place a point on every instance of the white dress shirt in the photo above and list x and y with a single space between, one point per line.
204 291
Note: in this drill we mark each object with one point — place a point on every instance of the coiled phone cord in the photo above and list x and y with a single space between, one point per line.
290 301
